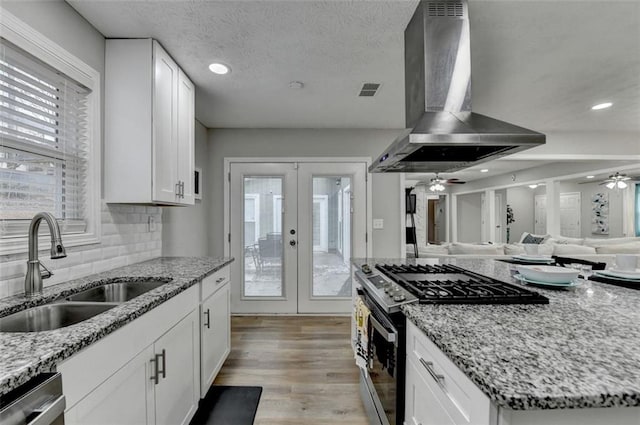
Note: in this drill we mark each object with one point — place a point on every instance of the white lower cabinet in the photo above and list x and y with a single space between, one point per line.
122 399
145 373
175 371
437 392
215 328
422 406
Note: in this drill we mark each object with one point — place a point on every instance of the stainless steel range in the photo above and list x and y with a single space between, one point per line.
384 289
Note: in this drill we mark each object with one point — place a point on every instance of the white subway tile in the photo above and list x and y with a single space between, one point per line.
110 252
15 287
106 217
59 276
13 269
92 255
109 229
80 271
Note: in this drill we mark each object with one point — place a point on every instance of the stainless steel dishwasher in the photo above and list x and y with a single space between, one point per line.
37 402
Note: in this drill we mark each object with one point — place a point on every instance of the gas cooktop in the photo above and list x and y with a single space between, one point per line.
449 284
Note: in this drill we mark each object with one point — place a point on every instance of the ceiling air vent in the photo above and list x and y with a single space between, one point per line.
369 89
445 8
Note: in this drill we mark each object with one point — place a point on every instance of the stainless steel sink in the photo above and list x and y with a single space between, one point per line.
51 316
117 292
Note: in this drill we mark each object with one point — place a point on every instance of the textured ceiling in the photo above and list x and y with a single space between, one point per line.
333 47
540 64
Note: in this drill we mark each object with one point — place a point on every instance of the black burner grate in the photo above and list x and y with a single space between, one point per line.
448 284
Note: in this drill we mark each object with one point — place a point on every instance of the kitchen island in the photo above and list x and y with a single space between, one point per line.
25 355
539 363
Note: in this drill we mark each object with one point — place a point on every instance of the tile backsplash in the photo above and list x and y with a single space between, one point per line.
126 239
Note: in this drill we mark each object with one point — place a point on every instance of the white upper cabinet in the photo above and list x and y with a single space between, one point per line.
149 126
186 137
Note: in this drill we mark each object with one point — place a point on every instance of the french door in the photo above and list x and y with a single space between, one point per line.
293 229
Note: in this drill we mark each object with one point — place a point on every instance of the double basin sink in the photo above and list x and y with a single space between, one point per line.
76 308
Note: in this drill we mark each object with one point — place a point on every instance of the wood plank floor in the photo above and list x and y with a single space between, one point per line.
304 364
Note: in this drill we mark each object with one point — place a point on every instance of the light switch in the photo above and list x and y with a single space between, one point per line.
378 223
152 224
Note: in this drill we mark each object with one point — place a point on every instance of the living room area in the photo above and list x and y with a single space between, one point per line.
582 208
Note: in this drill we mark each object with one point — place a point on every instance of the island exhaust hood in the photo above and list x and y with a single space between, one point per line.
442 134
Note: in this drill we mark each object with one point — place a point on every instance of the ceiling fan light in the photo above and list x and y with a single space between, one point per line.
622 185
611 185
432 188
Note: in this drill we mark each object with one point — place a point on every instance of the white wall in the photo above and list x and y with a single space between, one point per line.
521 201
615 208
470 218
126 237
184 228
305 143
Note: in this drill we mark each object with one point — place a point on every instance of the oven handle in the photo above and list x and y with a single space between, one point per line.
388 336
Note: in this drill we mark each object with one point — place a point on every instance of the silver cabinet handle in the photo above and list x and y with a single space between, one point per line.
429 366
177 189
155 376
182 189
164 364
207 323
48 412
220 279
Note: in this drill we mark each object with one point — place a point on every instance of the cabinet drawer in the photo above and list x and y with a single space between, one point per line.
211 284
461 398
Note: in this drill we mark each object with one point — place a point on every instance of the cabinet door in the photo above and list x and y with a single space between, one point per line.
125 398
176 394
186 137
421 404
165 126
216 336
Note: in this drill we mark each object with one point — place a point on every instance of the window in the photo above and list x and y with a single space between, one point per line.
49 138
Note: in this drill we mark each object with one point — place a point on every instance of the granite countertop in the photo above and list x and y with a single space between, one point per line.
581 350
25 355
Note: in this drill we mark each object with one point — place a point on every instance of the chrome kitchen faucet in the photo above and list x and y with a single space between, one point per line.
33 279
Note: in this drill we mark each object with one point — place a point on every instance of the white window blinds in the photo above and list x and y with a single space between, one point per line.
43 143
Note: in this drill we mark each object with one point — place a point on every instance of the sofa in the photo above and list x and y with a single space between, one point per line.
594 249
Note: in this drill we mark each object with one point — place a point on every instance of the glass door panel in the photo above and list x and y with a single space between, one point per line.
263 249
263 204
330 195
331 270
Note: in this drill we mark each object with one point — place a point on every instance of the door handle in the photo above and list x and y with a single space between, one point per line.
292 242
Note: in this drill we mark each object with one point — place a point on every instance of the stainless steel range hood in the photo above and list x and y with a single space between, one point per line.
443 134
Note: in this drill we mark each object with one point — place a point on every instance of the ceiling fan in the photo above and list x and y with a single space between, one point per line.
618 181
438 183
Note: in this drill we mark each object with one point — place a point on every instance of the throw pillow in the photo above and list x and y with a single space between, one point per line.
533 239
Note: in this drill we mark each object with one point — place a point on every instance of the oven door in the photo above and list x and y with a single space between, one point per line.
382 367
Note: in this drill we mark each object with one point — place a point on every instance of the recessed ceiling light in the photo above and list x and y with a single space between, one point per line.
484 170
590 177
296 85
602 106
533 186
219 68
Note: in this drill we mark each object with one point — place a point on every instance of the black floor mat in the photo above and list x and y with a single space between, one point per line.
224 405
